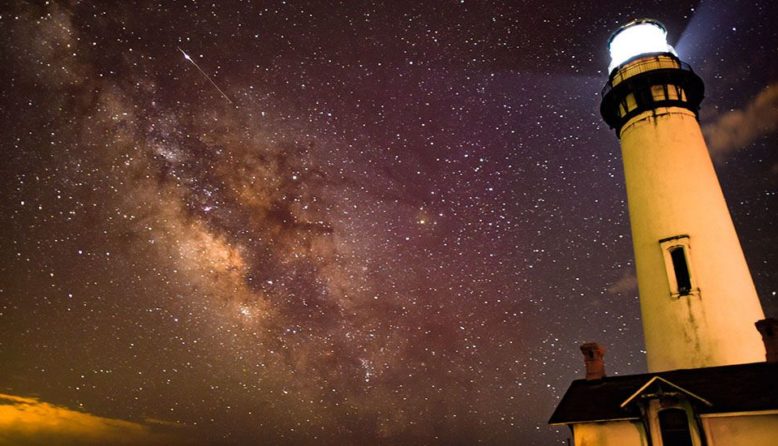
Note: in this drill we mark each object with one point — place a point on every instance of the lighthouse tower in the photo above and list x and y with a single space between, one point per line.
697 298
708 381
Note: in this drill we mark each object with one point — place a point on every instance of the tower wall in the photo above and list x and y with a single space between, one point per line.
675 202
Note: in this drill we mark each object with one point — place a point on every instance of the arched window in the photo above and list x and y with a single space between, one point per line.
674 425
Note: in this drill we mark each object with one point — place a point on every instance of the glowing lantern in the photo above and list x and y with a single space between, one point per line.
637 38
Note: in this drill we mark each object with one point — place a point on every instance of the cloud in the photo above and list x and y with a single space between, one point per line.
736 129
29 421
626 284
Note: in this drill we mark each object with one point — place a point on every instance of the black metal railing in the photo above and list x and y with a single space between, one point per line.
646 65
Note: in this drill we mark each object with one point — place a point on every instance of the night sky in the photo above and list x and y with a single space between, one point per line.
382 223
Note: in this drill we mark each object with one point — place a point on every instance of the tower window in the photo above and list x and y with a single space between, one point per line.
631 102
672 92
680 275
658 93
681 270
674 425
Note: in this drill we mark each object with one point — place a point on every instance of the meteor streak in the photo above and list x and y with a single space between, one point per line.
186 56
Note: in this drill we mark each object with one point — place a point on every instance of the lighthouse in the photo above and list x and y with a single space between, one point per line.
698 301
712 358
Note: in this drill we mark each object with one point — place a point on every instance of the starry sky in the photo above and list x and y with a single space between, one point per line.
362 222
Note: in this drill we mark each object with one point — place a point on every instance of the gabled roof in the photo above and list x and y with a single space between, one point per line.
655 385
732 388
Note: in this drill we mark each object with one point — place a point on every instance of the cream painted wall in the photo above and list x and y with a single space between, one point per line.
739 430
613 433
746 430
672 189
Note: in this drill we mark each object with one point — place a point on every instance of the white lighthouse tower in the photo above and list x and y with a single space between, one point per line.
711 379
697 298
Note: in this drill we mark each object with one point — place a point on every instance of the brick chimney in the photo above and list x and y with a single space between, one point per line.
769 330
595 366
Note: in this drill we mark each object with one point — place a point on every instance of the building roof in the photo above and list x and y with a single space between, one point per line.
732 388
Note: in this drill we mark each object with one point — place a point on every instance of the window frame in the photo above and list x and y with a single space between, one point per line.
659 403
668 245
665 431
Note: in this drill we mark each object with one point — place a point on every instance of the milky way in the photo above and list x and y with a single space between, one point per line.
394 225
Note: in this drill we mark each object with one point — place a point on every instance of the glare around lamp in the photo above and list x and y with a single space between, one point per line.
643 36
